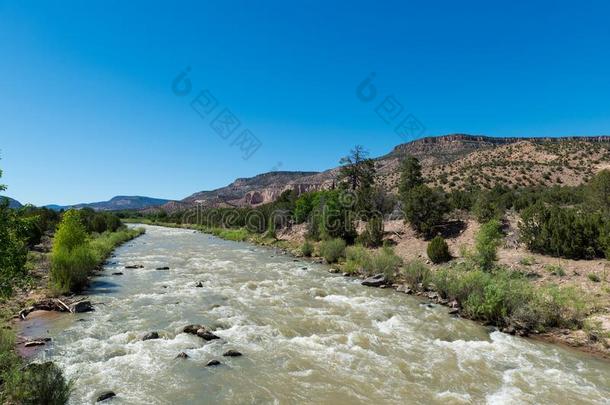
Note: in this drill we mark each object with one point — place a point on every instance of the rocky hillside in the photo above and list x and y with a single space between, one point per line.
450 161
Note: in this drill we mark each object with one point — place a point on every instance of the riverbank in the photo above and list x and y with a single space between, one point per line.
592 335
13 347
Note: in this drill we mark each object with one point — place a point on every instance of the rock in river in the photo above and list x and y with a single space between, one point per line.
213 363
134 266
151 335
375 281
163 268
105 395
81 306
232 353
182 355
206 334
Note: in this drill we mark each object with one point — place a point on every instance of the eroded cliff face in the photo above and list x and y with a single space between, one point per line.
449 161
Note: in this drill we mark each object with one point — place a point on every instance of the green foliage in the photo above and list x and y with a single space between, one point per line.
425 209
307 248
71 233
410 176
438 251
70 268
486 208
332 249
555 270
593 277
527 261
357 260
385 261
357 175
13 249
237 235
372 236
598 192
487 242
331 216
567 232
416 273
503 297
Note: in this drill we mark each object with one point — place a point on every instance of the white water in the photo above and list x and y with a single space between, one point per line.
307 337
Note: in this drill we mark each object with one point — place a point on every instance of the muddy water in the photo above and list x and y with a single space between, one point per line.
307 337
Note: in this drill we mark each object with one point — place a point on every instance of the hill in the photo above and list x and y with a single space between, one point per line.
450 161
117 203
12 203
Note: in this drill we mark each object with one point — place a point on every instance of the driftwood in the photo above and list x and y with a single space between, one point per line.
51 304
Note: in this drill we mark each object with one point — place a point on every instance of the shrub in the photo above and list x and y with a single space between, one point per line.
527 261
555 270
415 273
357 260
385 261
13 249
236 235
425 208
486 244
307 248
438 251
373 233
70 233
593 277
43 384
70 268
332 250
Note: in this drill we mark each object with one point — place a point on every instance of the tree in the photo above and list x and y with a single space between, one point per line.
599 191
13 249
425 209
71 233
487 241
357 175
438 251
410 176
373 232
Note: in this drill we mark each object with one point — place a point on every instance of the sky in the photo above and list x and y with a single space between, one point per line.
93 104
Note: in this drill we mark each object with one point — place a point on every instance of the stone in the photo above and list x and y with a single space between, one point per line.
375 281
33 343
199 284
182 355
454 304
81 306
163 268
206 334
232 353
117 273
212 363
134 266
192 329
105 395
454 311
509 329
151 335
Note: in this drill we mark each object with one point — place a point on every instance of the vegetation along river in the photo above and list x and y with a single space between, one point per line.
307 336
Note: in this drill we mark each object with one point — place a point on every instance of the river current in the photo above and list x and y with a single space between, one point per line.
307 336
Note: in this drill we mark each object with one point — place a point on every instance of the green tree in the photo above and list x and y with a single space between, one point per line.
438 251
487 242
425 209
373 232
410 176
599 191
357 175
71 233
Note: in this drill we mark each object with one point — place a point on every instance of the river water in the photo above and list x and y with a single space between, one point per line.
307 336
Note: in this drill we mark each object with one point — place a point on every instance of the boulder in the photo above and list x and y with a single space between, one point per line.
117 273
199 284
105 395
212 363
151 335
163 268
192 329
134 266
81 306
182 355
206 334
375 281
232 353
454 311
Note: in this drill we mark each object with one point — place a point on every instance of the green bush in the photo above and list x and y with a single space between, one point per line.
357 260
415 272
43 384
385 261
307 248
332 250
373 232
70 268
487 241
438 251
593 277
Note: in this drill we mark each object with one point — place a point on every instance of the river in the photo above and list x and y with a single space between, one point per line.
307 336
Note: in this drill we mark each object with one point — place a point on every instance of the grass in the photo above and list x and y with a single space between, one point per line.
416 273
593 277
555 270
307 248
237 235
70 269
527 261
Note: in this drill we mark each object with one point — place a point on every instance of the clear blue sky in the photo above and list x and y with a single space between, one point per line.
87 109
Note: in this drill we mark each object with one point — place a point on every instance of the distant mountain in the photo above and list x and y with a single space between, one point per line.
117 203
11 202
452 162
